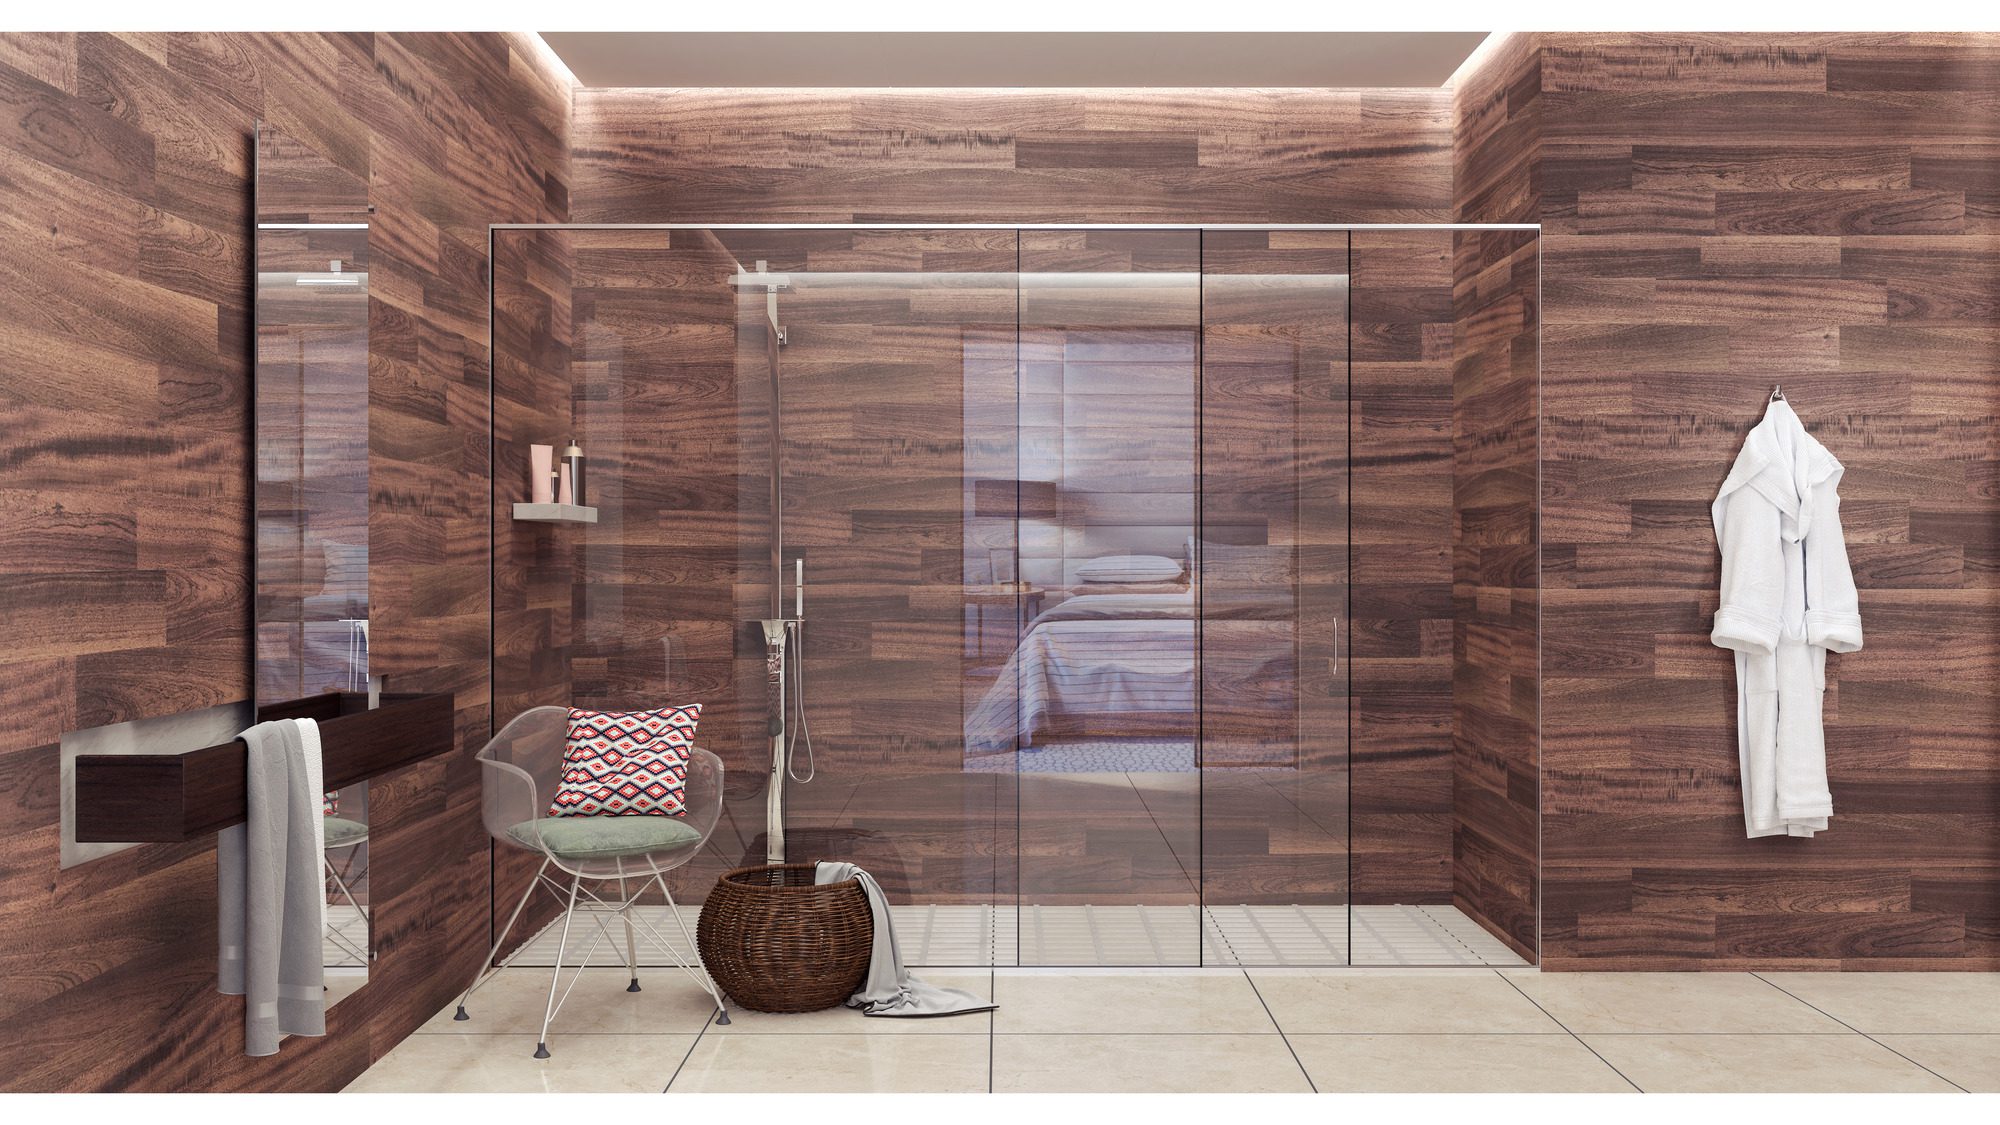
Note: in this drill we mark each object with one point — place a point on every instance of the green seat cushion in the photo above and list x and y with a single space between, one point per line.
340 831
604 837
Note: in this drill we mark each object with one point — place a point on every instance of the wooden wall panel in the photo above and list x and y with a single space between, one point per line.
1246 156
1496 136
1723 213
124 589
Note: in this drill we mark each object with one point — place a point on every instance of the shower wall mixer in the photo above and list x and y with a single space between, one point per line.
784 670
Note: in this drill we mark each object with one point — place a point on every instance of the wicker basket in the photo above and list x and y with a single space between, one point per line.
775 942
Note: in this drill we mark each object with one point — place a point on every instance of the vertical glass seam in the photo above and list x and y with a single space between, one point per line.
1347 588
1200 587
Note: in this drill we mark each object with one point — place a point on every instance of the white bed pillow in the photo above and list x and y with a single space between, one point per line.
1129 568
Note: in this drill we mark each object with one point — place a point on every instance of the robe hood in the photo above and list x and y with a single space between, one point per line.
1783 463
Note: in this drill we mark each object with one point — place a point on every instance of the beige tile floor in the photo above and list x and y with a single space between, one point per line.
1231 1030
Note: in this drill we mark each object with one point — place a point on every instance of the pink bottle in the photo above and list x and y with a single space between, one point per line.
541 474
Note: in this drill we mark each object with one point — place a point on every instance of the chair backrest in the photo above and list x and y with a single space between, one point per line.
522 766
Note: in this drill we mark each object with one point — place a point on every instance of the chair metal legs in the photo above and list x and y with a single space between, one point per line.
555 976
702 978
583 899
631 936
487 968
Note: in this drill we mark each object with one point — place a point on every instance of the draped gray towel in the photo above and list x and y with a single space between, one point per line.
270 893
889 989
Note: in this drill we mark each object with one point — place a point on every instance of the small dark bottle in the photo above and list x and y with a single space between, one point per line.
572 459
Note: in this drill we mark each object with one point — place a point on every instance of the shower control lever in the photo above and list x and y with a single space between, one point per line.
780 635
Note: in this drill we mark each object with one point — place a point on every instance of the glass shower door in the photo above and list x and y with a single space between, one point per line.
1273 590
1104 673
893 358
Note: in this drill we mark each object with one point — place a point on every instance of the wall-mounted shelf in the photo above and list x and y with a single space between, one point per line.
555 513
168 798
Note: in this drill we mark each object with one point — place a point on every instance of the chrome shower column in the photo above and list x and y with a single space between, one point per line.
777 635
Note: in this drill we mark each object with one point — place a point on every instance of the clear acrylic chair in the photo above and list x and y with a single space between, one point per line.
609 860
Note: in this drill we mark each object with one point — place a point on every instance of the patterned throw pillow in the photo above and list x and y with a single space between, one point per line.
626 763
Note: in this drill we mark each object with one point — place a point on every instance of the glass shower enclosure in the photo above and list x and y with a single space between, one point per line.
1067 518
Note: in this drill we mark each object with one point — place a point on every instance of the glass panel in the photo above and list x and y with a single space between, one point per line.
1496 582
1074 509
1273 588
312 424
1102 680
894 388
1402 783
312 480
671 408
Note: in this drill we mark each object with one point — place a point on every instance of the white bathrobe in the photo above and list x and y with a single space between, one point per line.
1787 600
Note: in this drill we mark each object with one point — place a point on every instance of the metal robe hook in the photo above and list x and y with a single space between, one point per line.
1778 393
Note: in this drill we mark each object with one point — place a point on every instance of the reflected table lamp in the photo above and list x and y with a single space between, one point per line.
1015 500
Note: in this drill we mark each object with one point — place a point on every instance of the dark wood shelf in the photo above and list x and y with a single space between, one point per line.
167 798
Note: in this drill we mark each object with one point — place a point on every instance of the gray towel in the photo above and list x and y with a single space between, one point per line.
270 893
889 989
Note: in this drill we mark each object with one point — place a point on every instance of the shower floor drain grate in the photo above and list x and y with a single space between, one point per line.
1123 935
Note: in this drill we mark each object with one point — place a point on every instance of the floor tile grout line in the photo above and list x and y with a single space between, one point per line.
1193 877
1861 1033
992 1022
1273 1017
682 1065
1566 1027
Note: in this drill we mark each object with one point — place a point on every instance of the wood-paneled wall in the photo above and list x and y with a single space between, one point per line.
1725 213
124 431
1112 156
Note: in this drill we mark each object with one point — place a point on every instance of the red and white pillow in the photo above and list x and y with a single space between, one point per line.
626 763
